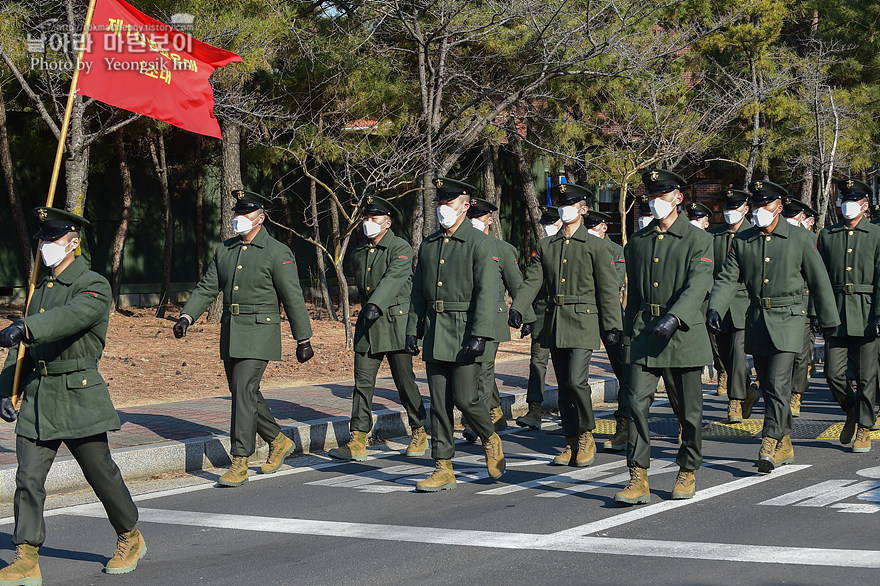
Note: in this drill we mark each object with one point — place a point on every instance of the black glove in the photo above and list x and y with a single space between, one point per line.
180 327
828 333
475 347
612 337
877 326
814 325
13 334
412 346
713 321
370 313
514 319
527 330
665 327
7 410
304 351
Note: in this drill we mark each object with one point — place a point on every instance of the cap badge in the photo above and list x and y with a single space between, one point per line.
239 194
369 199
729 193
562 188
759 185
850 183
43 214
438 182
654 175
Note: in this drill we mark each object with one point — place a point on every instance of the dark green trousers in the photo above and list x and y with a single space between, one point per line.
863 352
775 375
717 354
488 384
684 387
250 413
35 457
618 356
802 360
366 367
572 367
731 345
540 355
455 385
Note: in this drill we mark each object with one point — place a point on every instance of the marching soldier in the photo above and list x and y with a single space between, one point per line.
382 268
480 215
699 215
851 252
255 273
453 306
576 271
731 340
776 262
540 355
669 271
64 398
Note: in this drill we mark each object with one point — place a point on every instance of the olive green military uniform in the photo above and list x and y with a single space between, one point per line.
255 278
539 355
383 275
618 355
776 268
731 340
803 360
64 399
851 257
669 273
454 298
577 274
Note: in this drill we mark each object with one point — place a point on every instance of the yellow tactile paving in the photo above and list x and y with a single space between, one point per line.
833 433
747 428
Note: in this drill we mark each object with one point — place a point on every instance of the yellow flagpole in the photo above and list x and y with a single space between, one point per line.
50 199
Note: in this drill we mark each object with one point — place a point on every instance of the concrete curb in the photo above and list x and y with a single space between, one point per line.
199 454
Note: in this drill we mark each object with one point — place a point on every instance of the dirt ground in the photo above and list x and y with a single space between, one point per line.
143 363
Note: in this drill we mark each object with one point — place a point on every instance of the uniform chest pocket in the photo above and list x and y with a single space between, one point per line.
267 318
83 379
585 308
798 310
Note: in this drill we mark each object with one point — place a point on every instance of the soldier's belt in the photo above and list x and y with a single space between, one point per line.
655 309
778 302
65 366
853 289
570 299
240 309
441 306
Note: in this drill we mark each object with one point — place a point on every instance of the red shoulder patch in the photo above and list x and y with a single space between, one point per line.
92 293
621 260
534 253
495 258
287 262
706 259
403 257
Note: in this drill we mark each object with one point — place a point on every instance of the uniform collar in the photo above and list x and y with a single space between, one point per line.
861 226
259 240
73 271
580 234
462 233
383 244
678 228
783 230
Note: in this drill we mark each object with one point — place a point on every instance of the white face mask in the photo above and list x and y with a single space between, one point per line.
733 217
595 233
698 224
793 222
660 208
242 225
372 229
568 214
763 217
446 216
851 209
478 224
644 221
54 253
550 230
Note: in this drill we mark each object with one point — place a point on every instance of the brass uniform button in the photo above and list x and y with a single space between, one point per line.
268 319
85 382
849 268
767 238
446 240
235 288
562 280
439 283
239 267
42 310
244 247
368 288
656 284
850 232
565 260
50 284
849 250
372 250
660 237
766 280
766 259
656 260
442 262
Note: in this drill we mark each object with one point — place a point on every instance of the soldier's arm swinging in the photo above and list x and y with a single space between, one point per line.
524 295
418 306
86 307
396 275
285 278
727 283
607 289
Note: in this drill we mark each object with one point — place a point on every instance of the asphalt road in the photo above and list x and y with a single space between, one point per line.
324 522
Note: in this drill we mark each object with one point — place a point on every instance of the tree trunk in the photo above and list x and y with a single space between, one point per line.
76 163
339 245
27 259
200 208
756 129
160 165
319 254
524 174
418 216
490 191
121 236
807 186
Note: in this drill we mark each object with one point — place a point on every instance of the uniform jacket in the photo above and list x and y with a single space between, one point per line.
852 259
383 275
64 395
511 279
669 272
455 293
578 276
736 315
254 279
776 269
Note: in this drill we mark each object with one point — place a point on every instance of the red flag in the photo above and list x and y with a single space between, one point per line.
137 63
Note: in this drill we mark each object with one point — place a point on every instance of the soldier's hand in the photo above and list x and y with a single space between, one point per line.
13 334
370 313
828 333
7 410
814 325
713 321
612 337
877 326
514 319
412 346
179 328
665 327
526 330
475 347
304 351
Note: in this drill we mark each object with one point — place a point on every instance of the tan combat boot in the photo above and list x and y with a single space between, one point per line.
849 426
722 383
863 440
784 453
355 449
237 473
795 404
24 569
532 419
419 443
876 425
752 394
498 418
734 411
586 450
568 454
637 491
279 448
443 478
618 440
495 463
766 463
130 547
685 485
